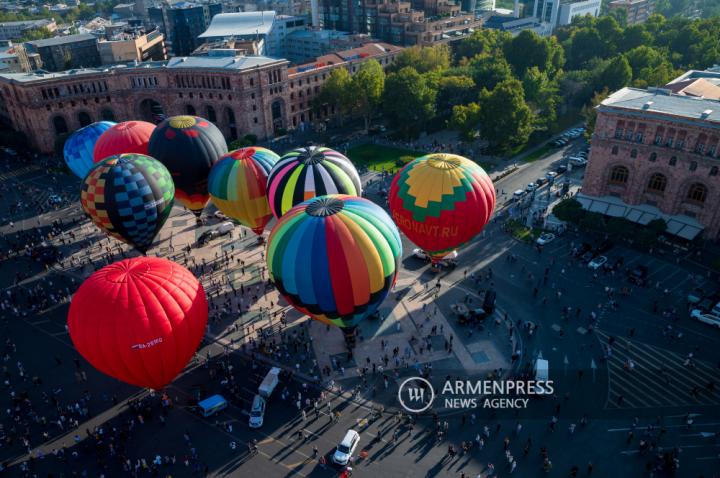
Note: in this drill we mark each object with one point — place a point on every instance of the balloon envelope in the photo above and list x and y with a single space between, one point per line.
441 201
129 196
335 258
188 146
305 173
238 186
78 149
124 138
139 320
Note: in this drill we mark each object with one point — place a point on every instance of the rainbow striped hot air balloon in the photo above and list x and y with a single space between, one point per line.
335 258
305 173
441 201
238 186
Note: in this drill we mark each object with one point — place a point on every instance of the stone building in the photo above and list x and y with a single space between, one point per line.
637 11
71 51
240 94
655 155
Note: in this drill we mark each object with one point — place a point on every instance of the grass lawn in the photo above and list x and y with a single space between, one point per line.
375 156
521 232
540 153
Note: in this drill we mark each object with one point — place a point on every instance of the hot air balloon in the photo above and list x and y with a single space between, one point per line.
124 138
188 146
129 196
139 320
441 201
305 173
238 186
78 149
335 258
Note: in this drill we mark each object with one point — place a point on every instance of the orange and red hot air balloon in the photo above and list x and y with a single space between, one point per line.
139 320
441 201
124 138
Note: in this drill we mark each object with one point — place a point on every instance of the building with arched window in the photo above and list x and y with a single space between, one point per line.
655 154
241 94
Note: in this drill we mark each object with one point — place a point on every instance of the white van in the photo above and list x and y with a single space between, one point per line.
257 412
346 448
225 228
269 382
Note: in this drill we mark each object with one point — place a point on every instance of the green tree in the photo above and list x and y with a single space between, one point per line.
337 92
589 112
488 71
526 50
541 94
367 87
423 59
466 119
453 91
484 41
615 75
506 120
635 36
408 101
36 34
583 45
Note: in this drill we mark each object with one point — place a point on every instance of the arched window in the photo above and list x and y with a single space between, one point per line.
653 157
190 110
673 161
714 171
633 153
107 114
697 193
211 116
84 118
60 125
619 175
614 150
657 183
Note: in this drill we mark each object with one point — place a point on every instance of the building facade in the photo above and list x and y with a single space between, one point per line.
125 48
62 53
182 23
16 30
638 11
655 155
557 13
15 59
241 95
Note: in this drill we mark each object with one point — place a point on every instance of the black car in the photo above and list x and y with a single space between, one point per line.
639 275
561 169
540 181
584 247
587 257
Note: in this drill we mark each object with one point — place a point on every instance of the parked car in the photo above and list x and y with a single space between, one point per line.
577 161
550 175
597 262
545 238
639 275
420 254
220 215
584 247
695 296
561 169
54 200
530 187
376 129
540 181
257 412
207 236
346 448
587 257
517 195
706 317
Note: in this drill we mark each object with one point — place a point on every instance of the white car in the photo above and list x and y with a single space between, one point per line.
346 448
577 161
220 215
546 238
550 175
706 317
531 187
597 263
517 195
257 412
420 254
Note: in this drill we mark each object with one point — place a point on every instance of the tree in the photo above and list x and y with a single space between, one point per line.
506 120
367 87
488 71
589 112
453 91
616 74
542 94
423 59
569 210
610 32
336 91
483 42
36 34
466 119
635 36
526 50
583 47
408 101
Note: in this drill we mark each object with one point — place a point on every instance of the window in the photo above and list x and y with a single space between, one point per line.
679 144
255 120
697 193
638 137
700 148
618 133
633 153
652 158
673 161
614 150
657 183
714 171
693 165
629 135
619 175
711 150
254 107
252 82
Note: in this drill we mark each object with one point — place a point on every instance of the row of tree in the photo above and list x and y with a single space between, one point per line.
504 89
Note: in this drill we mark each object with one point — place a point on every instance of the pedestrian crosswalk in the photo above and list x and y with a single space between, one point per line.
646 376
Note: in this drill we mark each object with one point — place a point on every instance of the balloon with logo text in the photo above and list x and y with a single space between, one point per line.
335 258
139 320
441 201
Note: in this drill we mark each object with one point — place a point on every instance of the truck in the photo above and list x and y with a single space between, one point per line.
269 382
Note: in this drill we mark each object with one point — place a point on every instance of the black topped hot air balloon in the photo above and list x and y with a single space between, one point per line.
188 146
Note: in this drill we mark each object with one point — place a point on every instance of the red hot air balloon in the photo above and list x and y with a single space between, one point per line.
139 320
124 138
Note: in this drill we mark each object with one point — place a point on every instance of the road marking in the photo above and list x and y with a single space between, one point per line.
683 425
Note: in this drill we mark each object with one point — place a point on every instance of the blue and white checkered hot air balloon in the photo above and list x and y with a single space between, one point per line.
78 150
